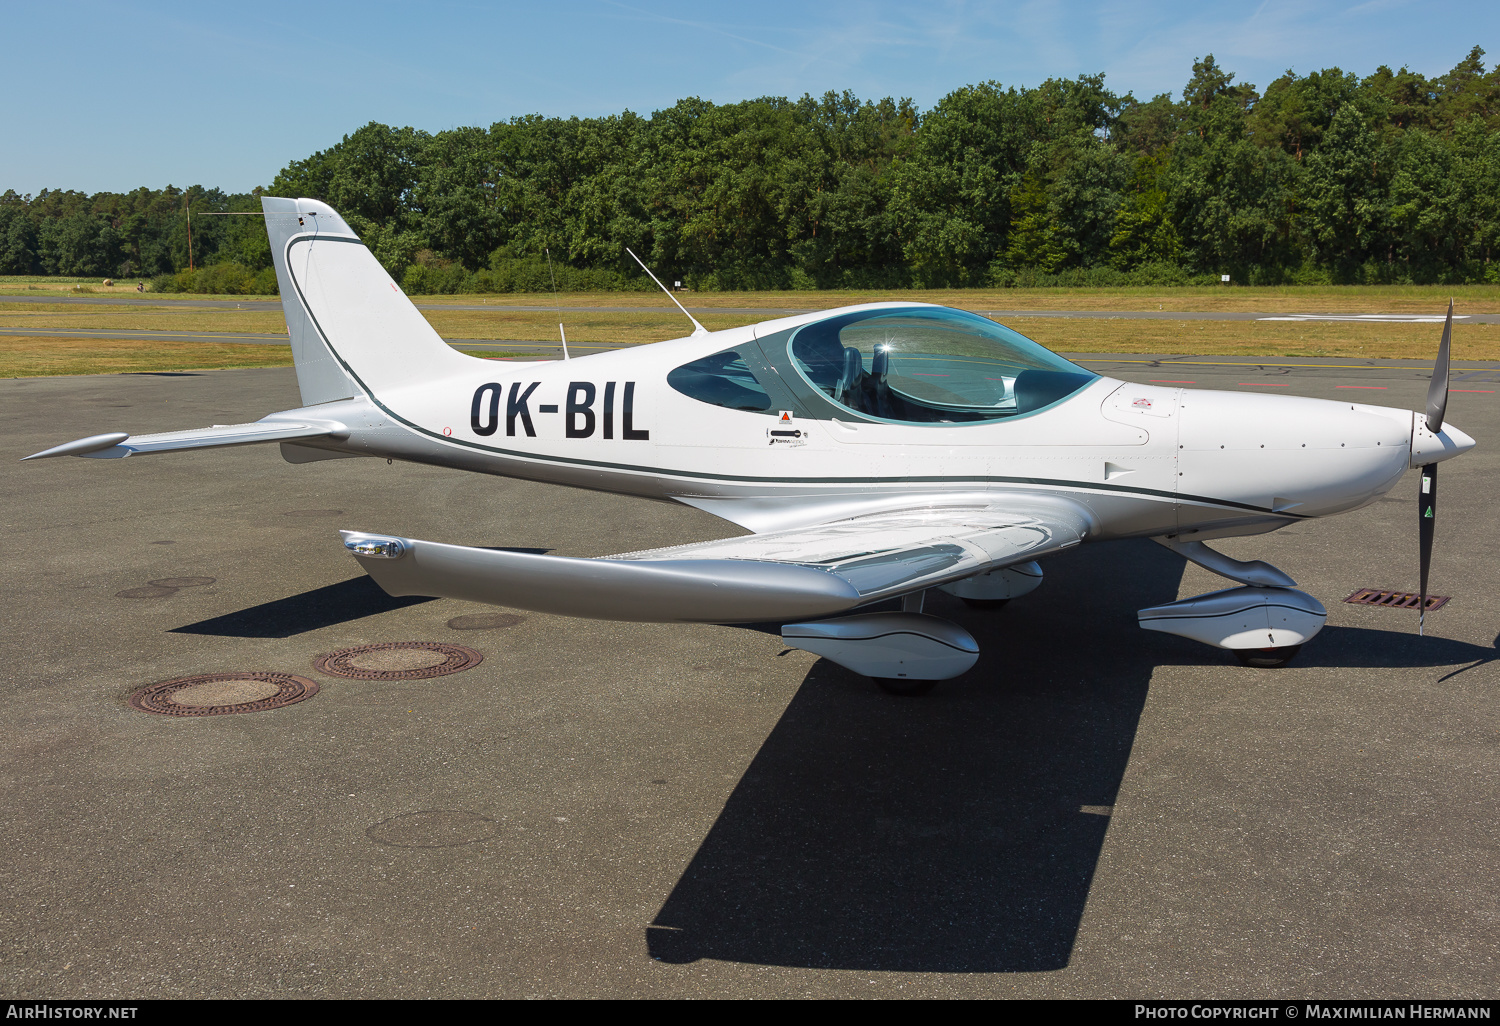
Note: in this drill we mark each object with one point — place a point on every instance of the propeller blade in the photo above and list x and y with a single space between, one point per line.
1437 392
1427 509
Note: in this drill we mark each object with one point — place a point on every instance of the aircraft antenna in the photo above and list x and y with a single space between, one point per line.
556 302
698 329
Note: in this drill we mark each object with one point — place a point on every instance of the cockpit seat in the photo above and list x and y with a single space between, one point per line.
850 388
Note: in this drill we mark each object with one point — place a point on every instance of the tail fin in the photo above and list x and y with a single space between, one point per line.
353 331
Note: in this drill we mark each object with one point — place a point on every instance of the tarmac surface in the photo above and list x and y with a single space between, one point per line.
603 809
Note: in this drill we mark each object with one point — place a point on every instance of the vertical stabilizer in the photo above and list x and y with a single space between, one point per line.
319 376
352 329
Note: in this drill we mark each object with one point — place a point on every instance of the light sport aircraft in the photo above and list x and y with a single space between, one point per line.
874 452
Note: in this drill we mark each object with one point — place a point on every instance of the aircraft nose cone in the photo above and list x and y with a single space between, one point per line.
1457 441
1427 447
1461 440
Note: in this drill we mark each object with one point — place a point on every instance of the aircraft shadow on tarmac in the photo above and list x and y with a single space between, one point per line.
946 833
328 606
322 607
1356 647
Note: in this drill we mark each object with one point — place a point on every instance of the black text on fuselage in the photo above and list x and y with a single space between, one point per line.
581 417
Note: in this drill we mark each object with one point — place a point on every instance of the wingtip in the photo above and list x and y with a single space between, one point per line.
80 446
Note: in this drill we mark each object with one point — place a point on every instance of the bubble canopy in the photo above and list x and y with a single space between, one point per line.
931 365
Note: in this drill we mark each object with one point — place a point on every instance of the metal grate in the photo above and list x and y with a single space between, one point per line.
1395 599
219 694
398 660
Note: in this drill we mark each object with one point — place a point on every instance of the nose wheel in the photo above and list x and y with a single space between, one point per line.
1267 658
902 686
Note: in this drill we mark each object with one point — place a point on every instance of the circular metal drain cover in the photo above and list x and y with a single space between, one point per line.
398 660
313 513
219 694
435 828
485 621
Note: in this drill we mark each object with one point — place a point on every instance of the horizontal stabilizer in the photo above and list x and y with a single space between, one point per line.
119 445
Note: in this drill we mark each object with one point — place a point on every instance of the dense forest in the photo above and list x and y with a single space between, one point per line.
1321 178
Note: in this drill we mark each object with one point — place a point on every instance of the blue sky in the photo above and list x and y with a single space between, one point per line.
110 96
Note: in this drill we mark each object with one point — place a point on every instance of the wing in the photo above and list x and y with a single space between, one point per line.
119 444
797 574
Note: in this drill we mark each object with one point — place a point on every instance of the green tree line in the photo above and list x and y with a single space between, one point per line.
140 234
1320 178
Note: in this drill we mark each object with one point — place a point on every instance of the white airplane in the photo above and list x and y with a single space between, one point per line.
874 451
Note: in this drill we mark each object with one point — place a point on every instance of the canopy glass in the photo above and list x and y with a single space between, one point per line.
931 365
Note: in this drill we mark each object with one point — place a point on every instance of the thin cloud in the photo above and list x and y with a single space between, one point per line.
702 27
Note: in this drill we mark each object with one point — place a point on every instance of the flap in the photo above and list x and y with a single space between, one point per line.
897 552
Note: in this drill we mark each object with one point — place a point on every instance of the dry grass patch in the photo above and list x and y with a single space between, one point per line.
1420 299
39 354
30 357
1226 338
41 317
541 326
24 285
1260 338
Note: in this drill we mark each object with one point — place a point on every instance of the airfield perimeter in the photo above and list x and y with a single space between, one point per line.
49 328
652 810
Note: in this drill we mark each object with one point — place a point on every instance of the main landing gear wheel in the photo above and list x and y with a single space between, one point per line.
985 603
902 686
1267 658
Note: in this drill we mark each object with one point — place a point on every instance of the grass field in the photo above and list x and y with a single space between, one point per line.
95 286
1288 299
1234 298
649 319
28 357
1252 338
